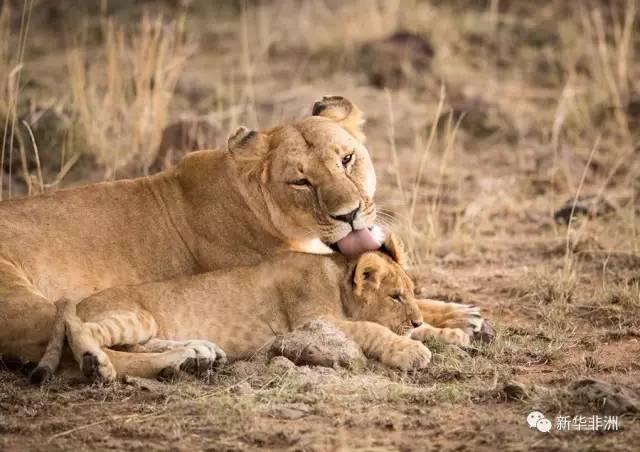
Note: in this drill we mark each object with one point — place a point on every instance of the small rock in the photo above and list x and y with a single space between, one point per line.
318 343
591 206
613 399
393 61
515 391
452 258
281 365
242 388
290 412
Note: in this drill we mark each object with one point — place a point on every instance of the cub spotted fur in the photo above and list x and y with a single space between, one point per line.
242 309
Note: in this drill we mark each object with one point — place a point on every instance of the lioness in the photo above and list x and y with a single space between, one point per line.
243 308
305 186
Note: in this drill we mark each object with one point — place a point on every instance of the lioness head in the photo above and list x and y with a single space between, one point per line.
382 290
316 177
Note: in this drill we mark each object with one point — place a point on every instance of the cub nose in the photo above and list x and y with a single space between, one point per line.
347 218
416 323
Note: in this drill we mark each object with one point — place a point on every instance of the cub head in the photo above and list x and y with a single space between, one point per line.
382 290
315 175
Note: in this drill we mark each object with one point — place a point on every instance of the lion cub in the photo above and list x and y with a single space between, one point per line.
241 309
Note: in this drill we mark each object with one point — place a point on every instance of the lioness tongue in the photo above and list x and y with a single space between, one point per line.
357 242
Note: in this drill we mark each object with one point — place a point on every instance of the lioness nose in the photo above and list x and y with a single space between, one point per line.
416 323
349 217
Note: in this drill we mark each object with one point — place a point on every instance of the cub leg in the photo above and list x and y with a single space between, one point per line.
88 339
89 342
449 335
380 343
440 314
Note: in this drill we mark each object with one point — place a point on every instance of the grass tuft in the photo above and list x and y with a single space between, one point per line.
122 97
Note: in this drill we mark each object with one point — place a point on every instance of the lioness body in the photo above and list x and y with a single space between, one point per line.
244 308
216 209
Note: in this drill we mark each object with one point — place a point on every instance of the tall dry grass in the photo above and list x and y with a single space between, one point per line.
11 65
122 97
422 234
5 58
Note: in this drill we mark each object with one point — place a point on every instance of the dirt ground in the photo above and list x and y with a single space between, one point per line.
489 123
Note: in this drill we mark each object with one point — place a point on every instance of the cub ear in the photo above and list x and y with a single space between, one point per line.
394 248
369 273
343 112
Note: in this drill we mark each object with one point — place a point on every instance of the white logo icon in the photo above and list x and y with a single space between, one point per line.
536 419
544 425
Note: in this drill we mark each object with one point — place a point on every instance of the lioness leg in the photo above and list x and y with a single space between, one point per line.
441 314
387 347
149 365
193 360
26 316
53 353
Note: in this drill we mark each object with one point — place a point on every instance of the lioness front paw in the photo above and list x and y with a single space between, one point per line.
462 316
197 357
207 351
407 354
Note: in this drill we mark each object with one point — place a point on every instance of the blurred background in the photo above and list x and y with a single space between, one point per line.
504 133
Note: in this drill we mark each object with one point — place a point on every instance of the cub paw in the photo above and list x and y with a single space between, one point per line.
97 367
407 354
454 336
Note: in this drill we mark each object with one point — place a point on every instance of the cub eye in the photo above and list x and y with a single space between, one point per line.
396 297
346 159
300 183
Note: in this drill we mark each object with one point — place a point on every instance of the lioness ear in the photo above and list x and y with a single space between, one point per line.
241 136
394 248
368 273
343 112
249 149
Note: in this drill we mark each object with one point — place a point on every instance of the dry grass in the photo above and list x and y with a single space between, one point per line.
122 98
522 108
5 58
11 67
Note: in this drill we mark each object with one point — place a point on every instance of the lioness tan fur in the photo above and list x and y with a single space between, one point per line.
244 308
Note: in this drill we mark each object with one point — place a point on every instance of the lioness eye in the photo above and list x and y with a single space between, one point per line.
397 298
346 159
300 183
